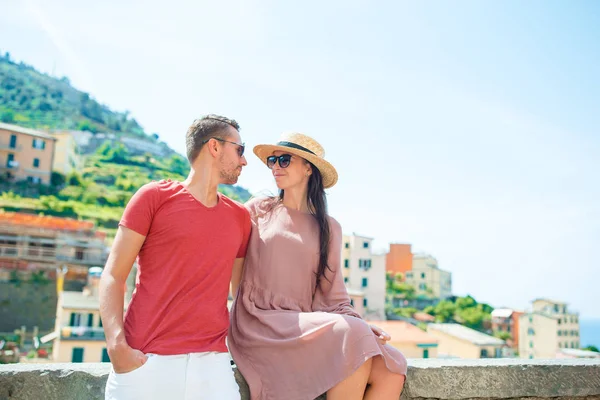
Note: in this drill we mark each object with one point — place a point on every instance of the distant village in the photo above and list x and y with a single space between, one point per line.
50 268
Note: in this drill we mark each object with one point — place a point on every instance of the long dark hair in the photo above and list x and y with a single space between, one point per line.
317 205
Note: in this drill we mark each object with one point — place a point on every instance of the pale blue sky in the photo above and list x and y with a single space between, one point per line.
470 129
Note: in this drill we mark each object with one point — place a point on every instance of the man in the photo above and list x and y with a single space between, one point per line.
187 237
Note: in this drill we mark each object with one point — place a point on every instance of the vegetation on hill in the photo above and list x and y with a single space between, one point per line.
110 176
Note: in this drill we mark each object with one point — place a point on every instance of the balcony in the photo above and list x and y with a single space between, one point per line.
81 333
49 254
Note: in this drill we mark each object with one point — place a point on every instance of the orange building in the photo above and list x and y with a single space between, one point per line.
399 259
26 154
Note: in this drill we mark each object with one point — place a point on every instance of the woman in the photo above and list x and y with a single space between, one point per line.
294 334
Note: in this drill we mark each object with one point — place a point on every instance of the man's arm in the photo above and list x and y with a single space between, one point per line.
125 249
236 275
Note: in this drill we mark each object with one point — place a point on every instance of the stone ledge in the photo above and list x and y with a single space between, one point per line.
427 379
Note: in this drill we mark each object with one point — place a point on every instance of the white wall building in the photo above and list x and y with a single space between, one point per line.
428 279
548 329
365 272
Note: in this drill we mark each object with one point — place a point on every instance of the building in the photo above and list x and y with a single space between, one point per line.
66 153
547 329
35 242
456 340
577 353
79 336
357 301
507 320
410 340
399 259
428 279
365 272
25 154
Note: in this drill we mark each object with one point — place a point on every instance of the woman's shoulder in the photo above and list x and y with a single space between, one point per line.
335 226
258 205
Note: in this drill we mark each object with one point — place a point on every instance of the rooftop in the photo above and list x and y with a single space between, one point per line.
79 301
468 334
44 221
405 332
502 312
26 131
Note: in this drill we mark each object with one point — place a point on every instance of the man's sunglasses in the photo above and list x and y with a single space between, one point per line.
284 161
241 147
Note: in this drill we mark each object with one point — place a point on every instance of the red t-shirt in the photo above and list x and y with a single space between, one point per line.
180 301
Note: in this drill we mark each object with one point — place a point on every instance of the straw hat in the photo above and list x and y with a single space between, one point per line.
302 146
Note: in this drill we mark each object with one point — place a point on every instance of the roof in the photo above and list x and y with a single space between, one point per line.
580 353
502 312
468 334
421 316
44 221
79 301
549 301
26 131
404 332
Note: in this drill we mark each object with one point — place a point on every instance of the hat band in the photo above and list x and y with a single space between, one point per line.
295 146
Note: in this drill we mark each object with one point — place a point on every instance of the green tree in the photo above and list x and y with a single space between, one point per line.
502 335
465 302
592 348
57 179
444 311
7 116
104 149
74 179
472 317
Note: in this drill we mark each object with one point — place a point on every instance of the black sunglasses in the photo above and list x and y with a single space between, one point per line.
241 147
284 161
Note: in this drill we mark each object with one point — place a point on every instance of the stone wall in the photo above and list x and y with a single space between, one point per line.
427 379
30 304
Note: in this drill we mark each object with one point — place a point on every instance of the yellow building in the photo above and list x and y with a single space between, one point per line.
456 340
410 340
428 279
547 329
25 154
79 336
66 154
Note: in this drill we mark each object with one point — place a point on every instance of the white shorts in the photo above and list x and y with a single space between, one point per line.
195 376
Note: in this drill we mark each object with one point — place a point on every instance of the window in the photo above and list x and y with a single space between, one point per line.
38 144
346 263
531 356
352 302
559 321
365 282
425 353
105 357
77 355
345 279
422 275
422 286
100 322
559 333
36 163
13 141
484 353
347 245
508 329
530 344
531 318
90 320
530 332
409 274
10 160
75 319
364 302
365 245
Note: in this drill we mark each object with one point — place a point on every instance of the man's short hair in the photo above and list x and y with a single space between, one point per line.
204 128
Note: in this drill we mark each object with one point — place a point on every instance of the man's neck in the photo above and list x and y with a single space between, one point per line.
202 185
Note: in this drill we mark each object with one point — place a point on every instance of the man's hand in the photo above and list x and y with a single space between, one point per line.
381 335
127 359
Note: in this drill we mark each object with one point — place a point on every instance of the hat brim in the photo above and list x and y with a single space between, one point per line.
328 171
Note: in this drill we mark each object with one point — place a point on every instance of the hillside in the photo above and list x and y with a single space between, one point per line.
111 173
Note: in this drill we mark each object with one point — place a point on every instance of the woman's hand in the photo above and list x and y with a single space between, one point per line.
381 335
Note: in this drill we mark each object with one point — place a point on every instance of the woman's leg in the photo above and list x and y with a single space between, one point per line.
383 384
353 387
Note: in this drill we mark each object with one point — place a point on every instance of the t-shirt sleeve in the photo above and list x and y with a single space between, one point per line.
247 229
140 210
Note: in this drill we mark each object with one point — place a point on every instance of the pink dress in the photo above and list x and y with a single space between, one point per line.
287 342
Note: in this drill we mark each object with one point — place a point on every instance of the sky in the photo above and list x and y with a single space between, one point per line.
468 129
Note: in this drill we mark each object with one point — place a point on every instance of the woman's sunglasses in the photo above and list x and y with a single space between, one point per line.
284 161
